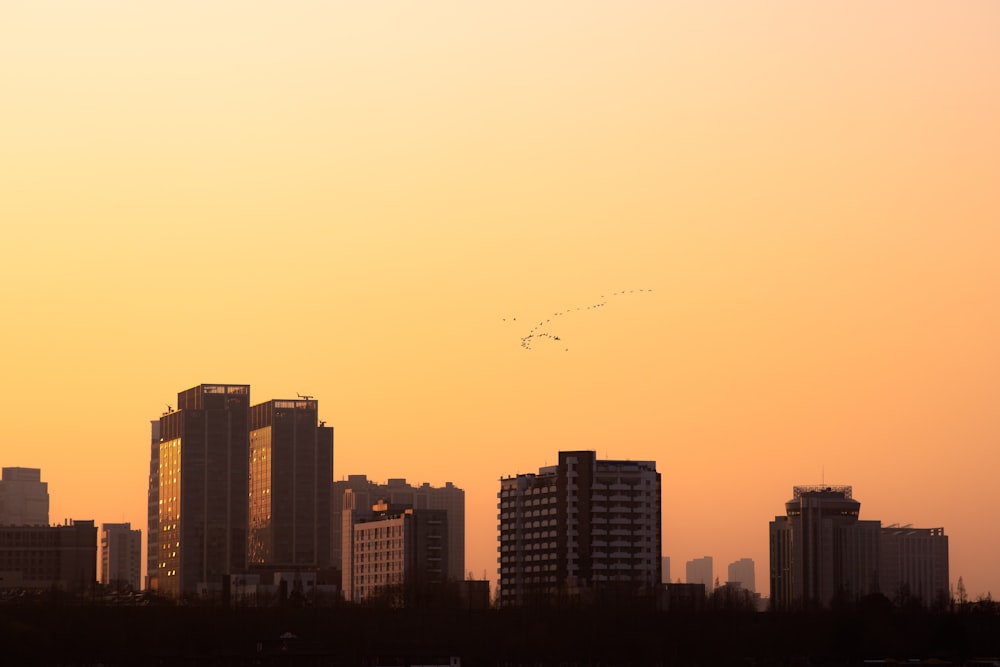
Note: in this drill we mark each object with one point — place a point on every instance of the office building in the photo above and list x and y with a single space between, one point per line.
821 551
354 498
742 572
291 472
153 506
700 571
202 489
24 497
584 529
49 557
914 565
399 556
121 556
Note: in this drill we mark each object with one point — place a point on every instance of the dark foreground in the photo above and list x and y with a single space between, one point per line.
84 635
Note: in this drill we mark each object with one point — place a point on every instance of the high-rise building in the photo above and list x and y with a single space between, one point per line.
24 497
742 572
291 472
202 488
821 551
354 498
700 571
121 555
399 555
914 565
582 529
665 570
49 557
153 506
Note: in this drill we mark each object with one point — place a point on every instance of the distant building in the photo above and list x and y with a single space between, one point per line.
201 489
821 551
291 471
665 570
24 497
700 571
400 556
914 565
585 529
49 557
684 598
121 555
742 571
354 498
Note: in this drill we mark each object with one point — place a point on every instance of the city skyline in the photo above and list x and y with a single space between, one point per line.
378 206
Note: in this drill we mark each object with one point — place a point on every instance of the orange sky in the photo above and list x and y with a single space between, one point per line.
349 199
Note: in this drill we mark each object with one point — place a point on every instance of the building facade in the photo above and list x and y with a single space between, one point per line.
743 573
201 489
580 530
914 565
354 498
153 506
24 497
121 556
49 557
291 473
820 550
399 556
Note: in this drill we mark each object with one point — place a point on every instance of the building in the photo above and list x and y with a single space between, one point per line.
49 557
742 572
584 529
821 551
24 497
291 473
685 598
354 498
700 571
665 570
914 565
201 489
153 506
399 556
121 556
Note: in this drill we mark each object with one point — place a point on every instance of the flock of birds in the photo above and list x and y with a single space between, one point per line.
537 333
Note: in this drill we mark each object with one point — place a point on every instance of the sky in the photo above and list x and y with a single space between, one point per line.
374 203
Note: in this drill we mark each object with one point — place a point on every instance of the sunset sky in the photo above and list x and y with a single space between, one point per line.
355 200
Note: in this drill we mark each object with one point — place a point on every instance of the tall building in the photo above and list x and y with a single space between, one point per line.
742 572
121 556
582 529
665 570
202 488
914 565
700 571
354 498
399 555
24 497
49 557
821 551
153 506
291 472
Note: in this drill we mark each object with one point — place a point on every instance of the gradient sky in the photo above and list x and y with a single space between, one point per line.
354 200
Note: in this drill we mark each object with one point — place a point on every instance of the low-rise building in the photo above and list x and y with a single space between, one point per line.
49 557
